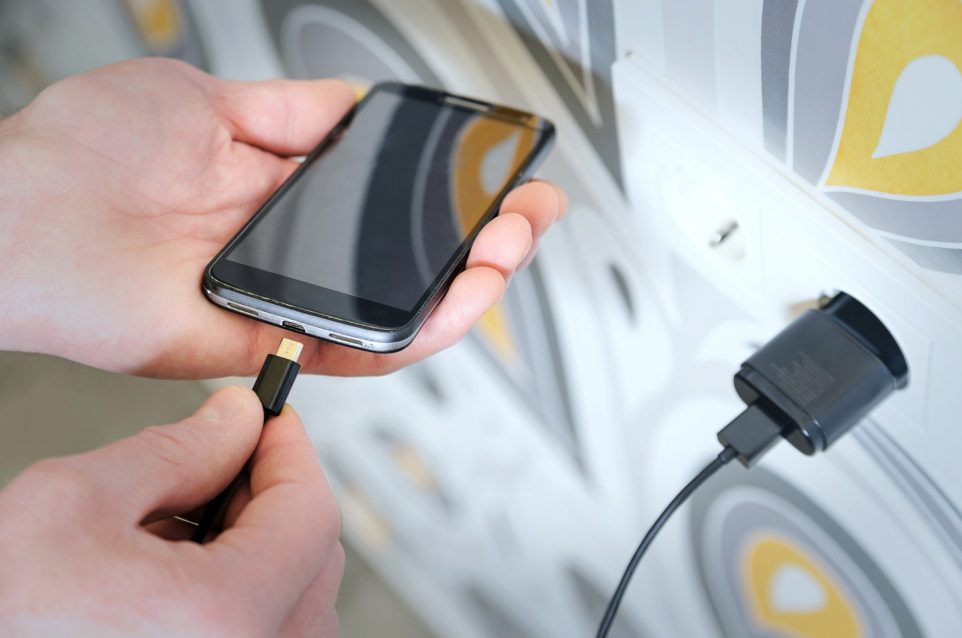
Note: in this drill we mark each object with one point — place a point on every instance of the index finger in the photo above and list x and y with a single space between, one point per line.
282 538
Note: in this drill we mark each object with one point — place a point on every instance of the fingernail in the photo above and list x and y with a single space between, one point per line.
220 405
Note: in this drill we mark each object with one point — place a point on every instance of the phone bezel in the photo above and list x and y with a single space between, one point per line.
356 315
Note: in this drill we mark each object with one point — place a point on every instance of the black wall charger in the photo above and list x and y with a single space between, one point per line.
809 385
815 380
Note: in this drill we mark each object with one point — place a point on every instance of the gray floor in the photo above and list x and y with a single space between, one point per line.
50 407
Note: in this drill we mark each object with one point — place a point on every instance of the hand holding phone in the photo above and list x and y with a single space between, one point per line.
116 195
364 239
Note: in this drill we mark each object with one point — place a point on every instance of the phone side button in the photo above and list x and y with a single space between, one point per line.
244 309
351 340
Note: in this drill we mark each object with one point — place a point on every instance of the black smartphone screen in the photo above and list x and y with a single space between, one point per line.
379 212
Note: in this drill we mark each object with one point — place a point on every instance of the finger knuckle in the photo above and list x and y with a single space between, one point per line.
172 449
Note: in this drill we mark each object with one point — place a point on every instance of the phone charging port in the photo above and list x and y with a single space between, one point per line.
296 327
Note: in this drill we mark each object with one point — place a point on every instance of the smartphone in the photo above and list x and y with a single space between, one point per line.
361 242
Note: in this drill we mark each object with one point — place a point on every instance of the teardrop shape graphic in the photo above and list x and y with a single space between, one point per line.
496 159
794 591
791 592
926 106
900 132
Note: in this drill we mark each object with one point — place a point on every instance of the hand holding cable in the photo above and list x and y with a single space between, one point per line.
89 546
273 384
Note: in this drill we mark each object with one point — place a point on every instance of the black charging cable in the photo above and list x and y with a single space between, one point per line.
718 463
810 385
273 384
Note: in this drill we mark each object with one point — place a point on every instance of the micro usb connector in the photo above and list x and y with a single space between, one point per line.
276 378
273 384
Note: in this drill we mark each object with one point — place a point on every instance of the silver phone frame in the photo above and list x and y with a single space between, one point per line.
339 332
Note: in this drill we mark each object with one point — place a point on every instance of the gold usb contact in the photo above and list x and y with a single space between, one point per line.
289 349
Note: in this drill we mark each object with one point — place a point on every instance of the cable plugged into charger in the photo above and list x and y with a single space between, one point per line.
809 385
815 380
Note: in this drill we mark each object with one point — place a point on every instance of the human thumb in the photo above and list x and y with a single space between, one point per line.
169 469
